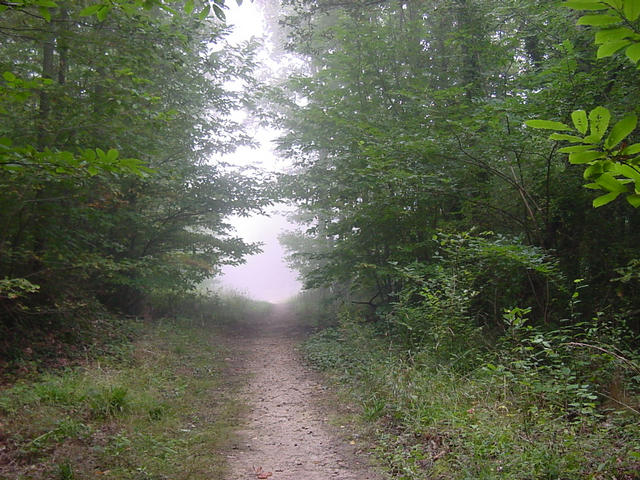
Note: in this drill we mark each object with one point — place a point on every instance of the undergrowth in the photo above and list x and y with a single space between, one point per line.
532 407
157 410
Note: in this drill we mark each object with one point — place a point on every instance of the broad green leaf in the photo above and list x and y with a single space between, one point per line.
609 48
45 13
633 52
631 149
204 13
93 171
631 9
629 172
599 120
112 155
615 4
598 20
620 131
609 182
592 170
613 34
103 12
565 137
578 158
189 5
547 125
634 200
9 77
583 5
90 10
604 199
580 121
575 148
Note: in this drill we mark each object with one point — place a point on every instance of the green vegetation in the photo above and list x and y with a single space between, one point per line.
111 129
161 409
493 328
530 414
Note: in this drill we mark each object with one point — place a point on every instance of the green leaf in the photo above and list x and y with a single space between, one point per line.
599 119
604 199
112 155
583 5
578 158
629 172
103 12
613 34
592 171
634 200
631 149
598 20
609 182
547 125
204 13
609 48
615 4
9 77
620 131
90 10
93 171
633 52
580 121
568 138
45 13
46 3
189 5
575 148
631 9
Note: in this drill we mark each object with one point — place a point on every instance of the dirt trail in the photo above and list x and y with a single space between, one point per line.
285 430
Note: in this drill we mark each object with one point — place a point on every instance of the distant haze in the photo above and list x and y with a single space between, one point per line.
264 276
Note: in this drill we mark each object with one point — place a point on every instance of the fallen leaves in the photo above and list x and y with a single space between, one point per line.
260 473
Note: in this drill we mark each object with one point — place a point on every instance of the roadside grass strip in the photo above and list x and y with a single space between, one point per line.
160 411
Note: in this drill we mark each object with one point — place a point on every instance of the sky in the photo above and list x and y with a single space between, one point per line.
264 276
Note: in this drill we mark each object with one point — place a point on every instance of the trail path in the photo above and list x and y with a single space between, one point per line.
285 430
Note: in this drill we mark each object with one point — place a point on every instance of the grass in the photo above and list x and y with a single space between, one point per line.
158 410
432 421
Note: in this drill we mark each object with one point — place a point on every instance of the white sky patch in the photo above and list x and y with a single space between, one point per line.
264 276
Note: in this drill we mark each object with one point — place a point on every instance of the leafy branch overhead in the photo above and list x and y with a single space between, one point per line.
101 9
613 164
617 28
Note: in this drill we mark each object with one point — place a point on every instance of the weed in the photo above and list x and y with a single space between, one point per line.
108 401
65 471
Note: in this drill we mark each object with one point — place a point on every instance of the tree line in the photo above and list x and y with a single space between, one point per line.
113 119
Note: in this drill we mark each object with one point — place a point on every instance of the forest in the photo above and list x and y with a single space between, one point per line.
466 178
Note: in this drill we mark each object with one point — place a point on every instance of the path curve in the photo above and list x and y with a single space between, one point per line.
285 431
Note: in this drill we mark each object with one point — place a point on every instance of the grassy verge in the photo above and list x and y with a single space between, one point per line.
430 420
157 410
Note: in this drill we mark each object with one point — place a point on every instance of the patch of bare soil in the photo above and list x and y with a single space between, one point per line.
285 433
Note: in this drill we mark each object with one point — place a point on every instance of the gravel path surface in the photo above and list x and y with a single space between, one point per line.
285 433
